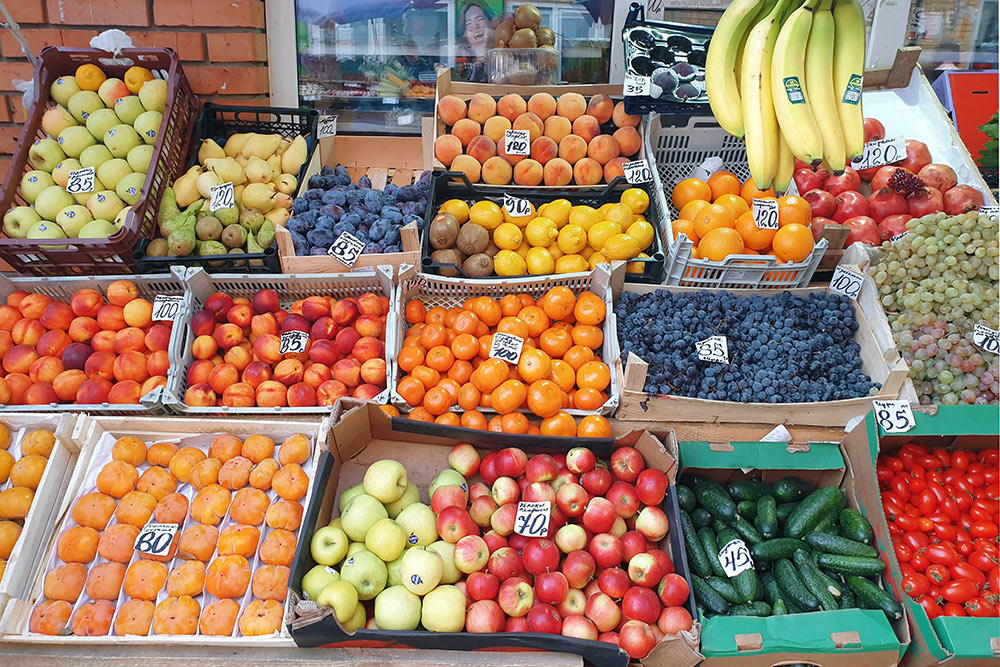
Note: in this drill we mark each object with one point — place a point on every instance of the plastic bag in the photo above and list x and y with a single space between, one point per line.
27 89
113 41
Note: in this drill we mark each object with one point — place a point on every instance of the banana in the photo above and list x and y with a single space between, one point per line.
848 70
788 86
819 87
720 62
786 167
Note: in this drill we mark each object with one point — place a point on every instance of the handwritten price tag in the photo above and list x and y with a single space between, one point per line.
223 196
517 142
635 85
735 558
895 238
517 206
894 416
405 119
293 342
347 248
506 347
80 181
532 519
846 282
765 213
637 172
155 538
714 349
986 339
166 307
881 152
989 211
327 127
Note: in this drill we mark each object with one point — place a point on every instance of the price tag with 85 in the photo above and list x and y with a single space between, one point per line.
347 248
846 282
80 181
735 557
517 142
155 538
293 342
881 152
986 339
532 519
222 197
635 85
166 307
637 171
516 206
765 213
506 347
327 127
713 348
894 416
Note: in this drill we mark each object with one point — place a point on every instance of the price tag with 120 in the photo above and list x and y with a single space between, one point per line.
80 181
223 196
532 519
846 282
516 206
347 248
517 142
635 85
894 416
327 127
506 347
765 213
986 339
735 558
155 538
637 171
166 307
713 348
881 152
293 342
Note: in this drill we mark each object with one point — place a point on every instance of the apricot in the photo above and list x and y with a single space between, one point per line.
210 504
295 449
50 617
38 442
161 453
198 541
622 119
571 105
134 618
188 578
587 172
261 617
278 548
263 473
172 508
558 172
158 338
225 447
121 292
542 105
157 482
469 166
28 471
200 396
78 545
15 502
204 473
222 376
117 478
249 506
177 616
466 130
291 482
544 149
235 473
117 542
496 171
270 582
239 540
135 508
184 460
9 532
105 581
93 619
65 582
144 579
40 393
219 618
228 577
495 127
451 109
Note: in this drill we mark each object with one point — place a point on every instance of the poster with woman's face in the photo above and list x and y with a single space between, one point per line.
474 27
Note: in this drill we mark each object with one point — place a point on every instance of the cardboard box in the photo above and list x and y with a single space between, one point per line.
362 435
846 637
957 641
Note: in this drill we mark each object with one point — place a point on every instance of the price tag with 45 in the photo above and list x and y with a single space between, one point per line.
735 557
166 308
637 171
516 206
846 282
532 519
506 347
894 416
293 342
881 152
517 142
347 248
155 538
635 85
713 348
223 196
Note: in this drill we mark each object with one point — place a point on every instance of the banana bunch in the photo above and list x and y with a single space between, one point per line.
786 76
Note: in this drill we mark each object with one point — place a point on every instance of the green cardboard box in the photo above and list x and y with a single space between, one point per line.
959 641
848 637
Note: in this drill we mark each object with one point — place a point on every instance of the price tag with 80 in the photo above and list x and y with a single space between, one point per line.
894 416
735 557
986 339
713 348
347 248
327 127
293 342
635 85
166 307
517 142
637 171
532 519
80 181
506 347
222 197
155 538
881 152
765 213
516 206
846 282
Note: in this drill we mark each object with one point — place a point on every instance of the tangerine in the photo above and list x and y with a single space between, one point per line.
594 426
509 396
448 419
487 310
559 424
415 311
433 334
587 335
688 190
514 326
595 374
435 315
420 414
437 401
556 341
465 347
589 309
440 358
563 374
514 422
468 396
534 364
588 398
427 376
473 419
685 227
411 390
490 374
545 398
461 370
559 302
577 356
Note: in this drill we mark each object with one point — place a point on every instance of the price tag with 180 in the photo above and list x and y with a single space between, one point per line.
986 339
222 197
846 282
166 307
517 142
293 342
637 171
635 85
765 213
894 416
713 348
506 347
155 538
516 206
881 152
532 519
347 248
735 557
80 181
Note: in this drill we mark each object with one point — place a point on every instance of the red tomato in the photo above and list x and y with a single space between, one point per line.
964 544
987 547
954 609
930 607
975 479
963 570
919 561
899 486
942 553
944 456
981 607
926 501
937 490
946 532
994 579
903 552
935 476
985 529
916 585
926 525
959 591
929 462
938 574
949 507
906 569
963 500
907 522
893 463
982 561
883 475
960 460
991 456
916 540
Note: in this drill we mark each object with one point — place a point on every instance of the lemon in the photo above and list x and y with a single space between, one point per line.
586 252
558 211
572 238
509 263
523 249
620 246
572 264
642 232
486 214
619 213
597 258
507 236
637 267
457 208
585 216
520 221
601 232
637 200
541 232
539 261
555 251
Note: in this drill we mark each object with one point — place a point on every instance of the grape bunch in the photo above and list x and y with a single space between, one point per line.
936 283
783 349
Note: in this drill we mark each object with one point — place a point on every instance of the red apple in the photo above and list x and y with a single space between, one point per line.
580 460
627 463
637 639
644 570
482 586
564 476
516 596
674 620
641 604
570 537
603 612
652 523
574 604
511 462
505 490
541 468
579 567
451 495
505 563
673 590
551 587
544 618
599 515
666 564
503 518
540 555
481 510
606 549
634 543
484 616
537 492
572 499
494 540
464 458
454 523
613 581
622 496
578 626
597 481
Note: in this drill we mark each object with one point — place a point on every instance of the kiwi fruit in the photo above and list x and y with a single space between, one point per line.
443 231
472 238
504 32
445 257
478 265
492 249
524 39
545 37
208 228
527 16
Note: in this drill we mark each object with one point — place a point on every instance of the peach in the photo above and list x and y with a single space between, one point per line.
571 105
601 107
235 473
205 473
205 347
241 314
52 343
228 335
451 109
370 304
511 159
100 364
528 172
33 305
134 618
65 582
238 356
127 392
40 393
121 292
466 129
228 577
586 127
27 332
481 107
144 579
219 304
171 508
323 329
288 371
315 307
105 581
544 149
75 355
219 618
493 128
223 376
117 478
328 392
603 148
366 392
199 395
9 315
345 340
135 508
327 352
347 371
177 616
111 317
511 106
117 542
86 302
278 547
210 504
188 578
531 122
130 366
184 460
256 373
270 582
93 619
265 301
198 541
469 166
496 171
15 298
50 617
78 545
587 172
45 369
482 148
28 471
239 395
240 540
264 323
542 105
316 374
161 453
262 474
138 313
284 514
158 338
300 395
622 119
203 323
629 141
268 348
446 148
373 371
103 341
158 363
94 391
94 510
152 383
558 172
9 532
291 482
613 169
369 347
572 148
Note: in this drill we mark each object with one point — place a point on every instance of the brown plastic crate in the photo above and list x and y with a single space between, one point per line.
114 254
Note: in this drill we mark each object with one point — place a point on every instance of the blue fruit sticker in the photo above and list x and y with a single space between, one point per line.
416 580
412 539
794 90
112 133
70 214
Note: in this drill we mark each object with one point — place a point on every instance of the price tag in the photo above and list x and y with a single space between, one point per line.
80 181
894 416
895 238
986 339
155 538
846 282
347 248
635 85
222 197
765 213
516 206
166 307
390 100
405 119
506 347
735 557
517 142
293 342
988 211
532 519
327 127
714 349
637 172
881 152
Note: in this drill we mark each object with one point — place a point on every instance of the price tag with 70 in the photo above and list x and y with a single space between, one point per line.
635 85
713 348
517 142
881 152
846 282
293 342
986 339
155 538
894 416
166 307
327 127
637 171
80 181
532 519
765 213
506 347
735 557
223 196
516 206
347 248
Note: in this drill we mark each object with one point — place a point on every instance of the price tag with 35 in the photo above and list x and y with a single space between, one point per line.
327 127
517 142
635 85
765 213
894 416
80 181
637 171
713 348
532 519
735 557
986 339
293 342
881 152
155 538
846 282
347 248
222 197
166 307
516 206
506 347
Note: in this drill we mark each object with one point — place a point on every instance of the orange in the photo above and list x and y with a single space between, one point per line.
563 374
588 398
433 334
487 310
513 325
793 242
473 419
496 423
420 414
535 319
555 341
594 426
410 356
437 401
690 189
465 322
577 356
514 422
390 410
560 424
490 374
750 191
427 376
509 396
465 346
90 77
686 227
510 306
734 203
753 238
720 243
452 387
468 396
534 364
792 208
559 302
723 183
415 311
411 390
590 309
545 397
135 76
485 342
709 218
451 316
587 335
691 209
440 358
461 370
594 374
435 315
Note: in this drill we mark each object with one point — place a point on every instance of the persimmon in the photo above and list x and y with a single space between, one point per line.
284 514
65 582
94 510
219 618
117 542
177 616
144 579
261 617
50 617
105 581
134 618
228 577
93 619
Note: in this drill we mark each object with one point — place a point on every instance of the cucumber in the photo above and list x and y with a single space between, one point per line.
792 588
747 508
700 517
751 609
747 489
685 498
816 581
747 531
697 560
848 600
725 588
827 524
779 608
789 489
772 550
766 518
855 527
785 510
859 565
870 596
770 586
813 509
746 582
714 498
718 527
835 544
706 596
707 538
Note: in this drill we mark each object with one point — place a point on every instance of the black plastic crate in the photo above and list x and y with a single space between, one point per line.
454 185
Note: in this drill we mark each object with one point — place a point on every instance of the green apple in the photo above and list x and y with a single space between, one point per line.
448 477
153 95
128 109
51 200
63 88
397 609
386 539
385 480
139 158
120 139
61 173
84 103
74 140
345 497
84 197
443 610
339 596
316 579
121 217
72 219
328 545
357 619
130 187
336 523
361 514
394 571
421 570
420 524
355 547
446 550
101 121
410 495
18 220
97 229
148 125
47 230
95 156
104 205
33 182
112 171
366 572
45 154
57 119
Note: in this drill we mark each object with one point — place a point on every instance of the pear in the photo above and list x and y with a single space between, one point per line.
168 206
251 219
282 200
242 161
258 196
258 170
261 145
292 159
205 182
234 236
211 248
182 240
254 248
209 150
186 187
208 228
228 170
234 144
238 196
157 248
278 216
282 147
265 235
287 184
228 216
274 162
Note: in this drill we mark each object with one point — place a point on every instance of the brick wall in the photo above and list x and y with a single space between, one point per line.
221 44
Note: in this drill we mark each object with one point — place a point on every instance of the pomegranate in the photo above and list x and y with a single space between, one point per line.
863 230
939 176
868 174
806 179
874 129
882 176
821 202
849 180
893 225
850 204
818 225
883 203
917 156
961 199
924 202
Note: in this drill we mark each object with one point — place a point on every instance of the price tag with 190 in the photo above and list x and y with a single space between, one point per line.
846 282
347 248
986 339
327 127
222 197
637 171
155 538
532 519
166 307
765 213
293 342
517 142
506 347
516 206
713 348
881 152
80 181
635 85
735 557
894 416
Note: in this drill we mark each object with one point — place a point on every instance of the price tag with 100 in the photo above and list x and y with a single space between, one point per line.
347 248
506 347
846 282
223 196
713 348
881 152
894 416
765 213
637 171
635 85
166 307
735 557
327 127
517 142
532 519
80 181
986 339
155 538
516 206
293 342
